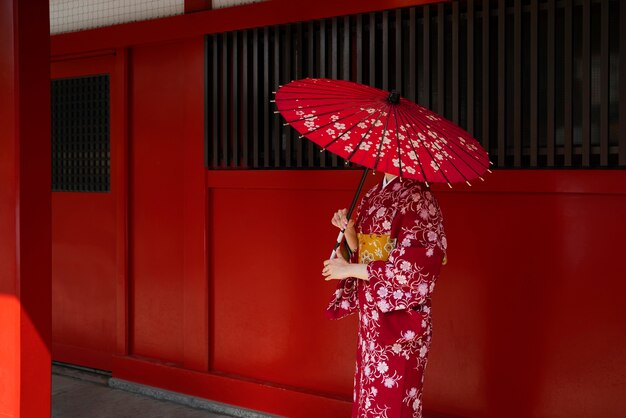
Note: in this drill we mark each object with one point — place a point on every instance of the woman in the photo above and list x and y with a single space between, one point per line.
398 245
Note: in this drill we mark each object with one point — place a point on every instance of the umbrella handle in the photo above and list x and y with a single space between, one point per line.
333 254
337 244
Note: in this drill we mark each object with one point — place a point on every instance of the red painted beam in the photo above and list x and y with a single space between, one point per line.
25 258
192 6
608 182
274 12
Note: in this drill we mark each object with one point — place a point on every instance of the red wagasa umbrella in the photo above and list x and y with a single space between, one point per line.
382 131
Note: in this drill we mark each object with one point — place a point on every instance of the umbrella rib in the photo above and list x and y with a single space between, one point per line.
348 85
395 118
345 91
473 156
366 133
315 106
347 130
480 159
289 89
325 125
380 145
314 115
418 159
455 130
329 97
432 158
458 170
450 148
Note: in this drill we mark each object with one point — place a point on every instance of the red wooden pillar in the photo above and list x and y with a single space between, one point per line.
25 284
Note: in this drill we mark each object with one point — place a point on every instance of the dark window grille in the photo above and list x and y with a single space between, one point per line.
80 134
536 81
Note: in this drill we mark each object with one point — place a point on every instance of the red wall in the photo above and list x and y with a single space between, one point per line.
527 312
167 250
225 298
89 288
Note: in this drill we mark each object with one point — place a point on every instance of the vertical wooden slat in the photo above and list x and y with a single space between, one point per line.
322 69
245 161
501 83
322 49
399 82
567 87
622 84
385 50
372 51
534 132
276 135
310 73
287 75
299 75
412 93
334 63
470 66
215 109
345 56
485 76
604 83
441 73
235 95
225 102
334 49
586 84
346 60
208 110
550 76
359 48
455 62
255 99
486 14
266 97
517 84
425 100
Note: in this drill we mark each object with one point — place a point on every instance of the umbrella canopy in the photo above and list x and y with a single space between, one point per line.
381 130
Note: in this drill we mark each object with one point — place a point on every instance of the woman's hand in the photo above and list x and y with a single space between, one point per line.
338 269
340 220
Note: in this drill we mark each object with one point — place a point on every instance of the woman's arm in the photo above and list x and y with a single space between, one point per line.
338 268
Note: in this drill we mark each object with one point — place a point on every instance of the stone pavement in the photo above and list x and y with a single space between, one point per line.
80 394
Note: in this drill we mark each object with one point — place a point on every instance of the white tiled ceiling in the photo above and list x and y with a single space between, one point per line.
75 15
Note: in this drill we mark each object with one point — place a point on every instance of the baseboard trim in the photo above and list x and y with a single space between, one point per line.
187 400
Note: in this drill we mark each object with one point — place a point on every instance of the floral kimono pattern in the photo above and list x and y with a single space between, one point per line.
394 305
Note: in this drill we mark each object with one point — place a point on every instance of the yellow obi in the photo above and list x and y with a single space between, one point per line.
373 247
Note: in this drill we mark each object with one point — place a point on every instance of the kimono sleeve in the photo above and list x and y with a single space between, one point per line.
344 300
408 277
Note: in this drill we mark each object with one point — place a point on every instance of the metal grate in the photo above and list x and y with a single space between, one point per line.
536 81
80 134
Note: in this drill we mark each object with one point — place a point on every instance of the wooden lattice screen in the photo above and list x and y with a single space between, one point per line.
536 81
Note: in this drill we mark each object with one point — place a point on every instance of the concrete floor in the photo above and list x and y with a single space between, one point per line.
77 398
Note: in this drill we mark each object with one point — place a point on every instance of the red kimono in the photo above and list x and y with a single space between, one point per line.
401 237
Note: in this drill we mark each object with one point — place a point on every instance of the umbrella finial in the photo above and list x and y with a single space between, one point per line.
394 97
